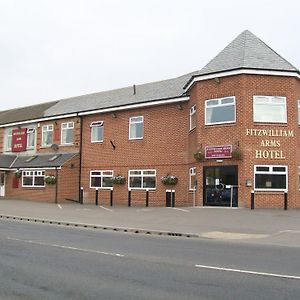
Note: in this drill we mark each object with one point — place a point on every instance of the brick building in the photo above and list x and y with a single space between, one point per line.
210 137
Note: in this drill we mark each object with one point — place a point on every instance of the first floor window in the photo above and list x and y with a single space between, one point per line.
34 178
67 133
8 140
142 179
101 179
192 179
269 109
97 131
270 178
219 111
47 135
193 117
30 138
136 128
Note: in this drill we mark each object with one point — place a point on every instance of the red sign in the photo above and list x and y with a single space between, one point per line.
19 140
218 151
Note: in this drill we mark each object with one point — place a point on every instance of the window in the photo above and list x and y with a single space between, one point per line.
47 135
270 178
30 138
8 140
67 133
136 128
193 117
298 111
192 179
33 178
142 179
101 179
96 131
220 111
269 109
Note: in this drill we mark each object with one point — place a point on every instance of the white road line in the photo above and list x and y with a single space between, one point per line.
144 209
248 272
180 209
65 247
59 206
106 208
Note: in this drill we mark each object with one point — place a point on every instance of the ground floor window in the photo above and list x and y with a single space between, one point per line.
192 179
101 179
142 179
270 178
34 178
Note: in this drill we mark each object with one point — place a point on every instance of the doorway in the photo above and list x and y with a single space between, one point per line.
220 186
2 184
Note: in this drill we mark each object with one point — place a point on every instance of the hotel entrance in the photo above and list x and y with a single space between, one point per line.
2 184
220 186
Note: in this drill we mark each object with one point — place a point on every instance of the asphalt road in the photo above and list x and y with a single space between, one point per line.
51 262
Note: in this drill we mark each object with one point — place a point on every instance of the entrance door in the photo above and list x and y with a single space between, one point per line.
2 184
220 186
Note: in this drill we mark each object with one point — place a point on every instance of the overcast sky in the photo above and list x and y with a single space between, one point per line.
54 49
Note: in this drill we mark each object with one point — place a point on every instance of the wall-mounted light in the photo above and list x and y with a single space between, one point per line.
113 115
248 182
179 106
217 80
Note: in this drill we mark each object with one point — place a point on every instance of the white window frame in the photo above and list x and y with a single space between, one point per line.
33 174
70 125
271 172
220 105
270 98
8 137
101 176
97 124
142 175
298 112
46 128
192 172
193 110
136 122
29 131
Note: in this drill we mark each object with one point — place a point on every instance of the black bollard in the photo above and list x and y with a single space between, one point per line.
147 198
96 196
285 200
252 200
129 198
111 197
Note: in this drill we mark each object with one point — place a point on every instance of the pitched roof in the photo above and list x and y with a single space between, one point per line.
6 160
249 52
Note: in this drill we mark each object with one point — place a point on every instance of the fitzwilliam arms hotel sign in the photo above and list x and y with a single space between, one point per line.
270 142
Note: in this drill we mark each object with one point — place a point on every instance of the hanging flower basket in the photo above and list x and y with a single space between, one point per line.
236 154
18 174
118 180
51 179
198 155
169 180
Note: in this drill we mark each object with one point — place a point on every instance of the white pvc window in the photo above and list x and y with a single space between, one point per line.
298 111
47 135
8 140
142 179
30 138
34 178
101 179
269 109
192 179
136 128
193 117
97 131
67 133
220 111
270 178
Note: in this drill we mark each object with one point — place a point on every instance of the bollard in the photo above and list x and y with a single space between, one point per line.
173 198
111 197
81 196
129 198
97 196
147 198
252 199
285 200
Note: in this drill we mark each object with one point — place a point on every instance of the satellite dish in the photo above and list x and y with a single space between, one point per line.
54 147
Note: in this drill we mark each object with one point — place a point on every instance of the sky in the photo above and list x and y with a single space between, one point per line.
55 49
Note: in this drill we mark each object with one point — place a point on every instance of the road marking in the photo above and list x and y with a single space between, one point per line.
248 272
180 209
106 208
59 206
65 247
144 209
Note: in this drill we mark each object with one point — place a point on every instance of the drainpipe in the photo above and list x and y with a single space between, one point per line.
80 156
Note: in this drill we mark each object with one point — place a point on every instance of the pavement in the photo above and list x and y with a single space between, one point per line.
260 225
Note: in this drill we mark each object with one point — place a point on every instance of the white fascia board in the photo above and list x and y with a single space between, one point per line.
132 106
242 71
39 120
41 168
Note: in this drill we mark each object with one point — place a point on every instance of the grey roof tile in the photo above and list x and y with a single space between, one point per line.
6 160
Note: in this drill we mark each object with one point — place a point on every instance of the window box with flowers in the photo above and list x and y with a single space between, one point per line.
169 180
236 154
50 179
118 179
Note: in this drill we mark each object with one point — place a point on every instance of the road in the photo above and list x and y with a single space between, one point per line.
51 262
